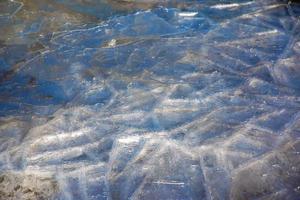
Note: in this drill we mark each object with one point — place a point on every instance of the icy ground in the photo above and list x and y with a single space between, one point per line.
168 104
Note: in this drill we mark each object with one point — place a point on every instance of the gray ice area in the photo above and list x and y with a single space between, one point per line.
163 104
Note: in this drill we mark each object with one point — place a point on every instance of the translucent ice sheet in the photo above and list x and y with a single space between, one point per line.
199 102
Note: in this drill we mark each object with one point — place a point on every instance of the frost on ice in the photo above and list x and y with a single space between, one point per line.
161 104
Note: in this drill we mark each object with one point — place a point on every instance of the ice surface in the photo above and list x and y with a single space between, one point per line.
168 103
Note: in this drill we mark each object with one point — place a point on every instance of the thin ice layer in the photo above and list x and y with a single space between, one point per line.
163 104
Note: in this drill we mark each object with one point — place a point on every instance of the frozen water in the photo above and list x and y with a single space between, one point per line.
168 103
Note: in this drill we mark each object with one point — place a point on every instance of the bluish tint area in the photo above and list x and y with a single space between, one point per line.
150 100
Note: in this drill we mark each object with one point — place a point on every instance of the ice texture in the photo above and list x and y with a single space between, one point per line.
167 103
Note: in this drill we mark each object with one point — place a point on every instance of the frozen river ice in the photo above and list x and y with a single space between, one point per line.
196 100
